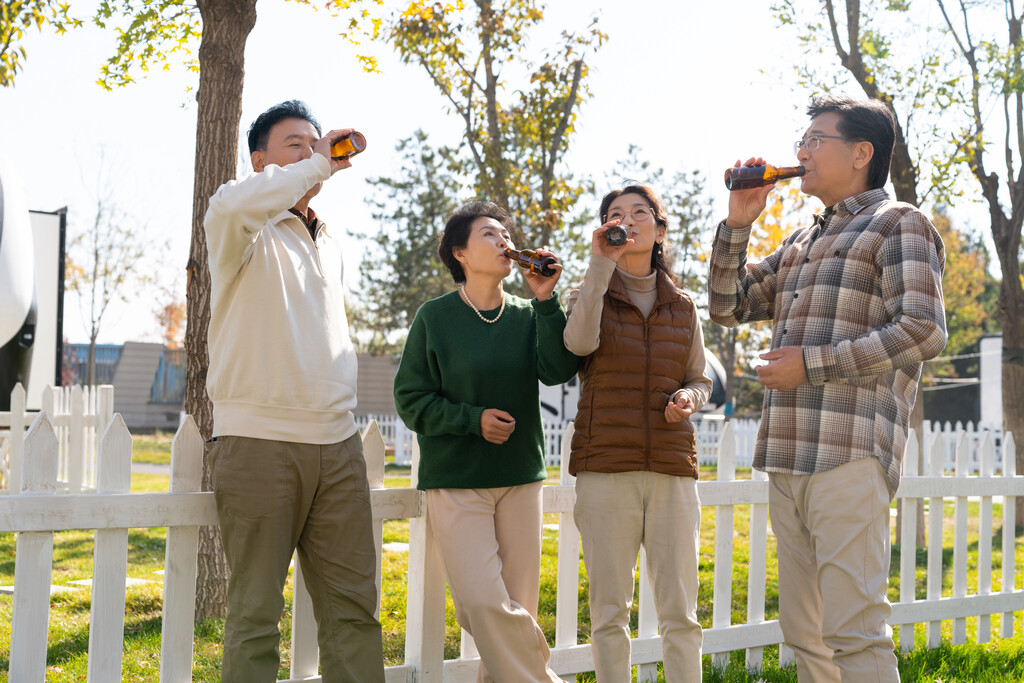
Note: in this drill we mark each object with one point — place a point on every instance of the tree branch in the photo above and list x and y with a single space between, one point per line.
843 55
466 113
563 123
988 182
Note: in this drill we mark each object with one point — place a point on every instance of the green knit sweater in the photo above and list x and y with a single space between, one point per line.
454 366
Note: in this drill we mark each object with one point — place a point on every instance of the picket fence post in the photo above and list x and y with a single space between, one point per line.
757 565
33 560
908 542
568 578
373 453
110 561
987 457
1008 584
305 648
721 615
76 441
424 615
181 561
960 541
937 453
16 451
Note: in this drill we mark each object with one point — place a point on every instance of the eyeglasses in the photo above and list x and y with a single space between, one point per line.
813 142
639 214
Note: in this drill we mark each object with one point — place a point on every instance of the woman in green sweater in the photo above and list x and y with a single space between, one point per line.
468 386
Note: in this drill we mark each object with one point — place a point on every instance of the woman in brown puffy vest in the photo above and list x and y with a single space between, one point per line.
633 450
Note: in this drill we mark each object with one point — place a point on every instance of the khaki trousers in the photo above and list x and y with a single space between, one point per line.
616 515
489 541
834 571
272 497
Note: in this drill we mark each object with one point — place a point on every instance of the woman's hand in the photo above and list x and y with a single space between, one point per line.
543 286
599 243
679 407
496 425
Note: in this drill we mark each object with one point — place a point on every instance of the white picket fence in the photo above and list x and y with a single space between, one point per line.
975 436
39 511
78 415
708 430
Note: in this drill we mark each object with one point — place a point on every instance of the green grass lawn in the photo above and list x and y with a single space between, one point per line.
154 448
1002 660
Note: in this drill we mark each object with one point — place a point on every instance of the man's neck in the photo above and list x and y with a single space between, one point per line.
834 197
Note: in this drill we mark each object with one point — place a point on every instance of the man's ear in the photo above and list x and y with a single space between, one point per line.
258 160
863 153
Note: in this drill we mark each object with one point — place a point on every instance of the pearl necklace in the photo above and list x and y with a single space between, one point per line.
476 310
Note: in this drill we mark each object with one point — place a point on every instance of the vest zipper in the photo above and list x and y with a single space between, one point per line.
647 393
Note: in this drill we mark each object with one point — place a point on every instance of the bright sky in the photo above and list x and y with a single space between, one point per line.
681 79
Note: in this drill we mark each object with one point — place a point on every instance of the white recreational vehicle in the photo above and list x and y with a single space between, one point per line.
31 292
17 283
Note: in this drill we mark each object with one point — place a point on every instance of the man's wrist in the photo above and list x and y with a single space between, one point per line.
734 225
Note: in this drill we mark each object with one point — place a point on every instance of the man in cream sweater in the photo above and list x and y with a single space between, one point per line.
287 460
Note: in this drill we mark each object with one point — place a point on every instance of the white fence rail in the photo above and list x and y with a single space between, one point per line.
709 432
39 511
77 414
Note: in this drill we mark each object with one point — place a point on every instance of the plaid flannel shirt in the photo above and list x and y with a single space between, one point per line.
861 292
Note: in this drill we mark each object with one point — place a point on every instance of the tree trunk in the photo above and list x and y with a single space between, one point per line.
90 367
226 27
1011 319
493 148
917 424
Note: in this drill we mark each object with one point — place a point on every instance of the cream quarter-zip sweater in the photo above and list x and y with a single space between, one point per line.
282 365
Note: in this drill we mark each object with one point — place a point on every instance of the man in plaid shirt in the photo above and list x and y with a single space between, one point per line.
856 305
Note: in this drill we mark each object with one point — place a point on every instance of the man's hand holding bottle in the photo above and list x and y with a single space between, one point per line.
746 205
324 144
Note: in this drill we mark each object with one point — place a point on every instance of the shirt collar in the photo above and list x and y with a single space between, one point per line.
859 202
851 205
311 221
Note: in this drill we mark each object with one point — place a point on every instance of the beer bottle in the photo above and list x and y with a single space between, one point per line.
531 260
616 235
348 146
749 177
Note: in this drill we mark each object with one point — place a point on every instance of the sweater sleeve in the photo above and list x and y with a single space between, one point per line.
555 363
586 304
418 398
696 384
240 208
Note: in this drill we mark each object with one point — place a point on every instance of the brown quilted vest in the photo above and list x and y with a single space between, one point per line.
626 383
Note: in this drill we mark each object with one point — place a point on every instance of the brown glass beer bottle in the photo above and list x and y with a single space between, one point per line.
348 146
749 177
531 260
616 235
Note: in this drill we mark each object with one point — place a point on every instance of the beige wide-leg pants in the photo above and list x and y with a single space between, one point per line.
489 541
834 571
616 514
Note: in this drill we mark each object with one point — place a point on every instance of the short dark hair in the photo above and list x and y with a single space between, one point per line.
660 258
456 232
259 131
867 120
